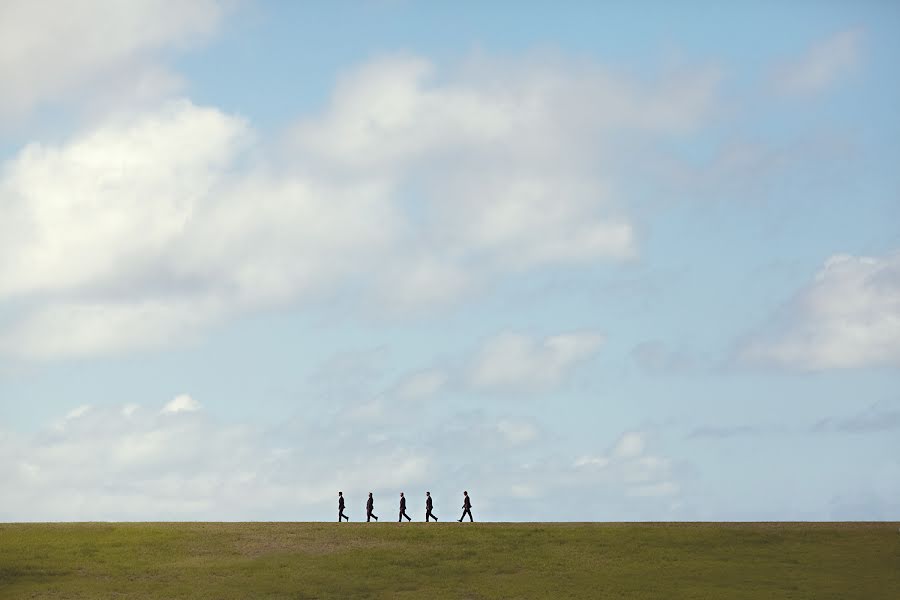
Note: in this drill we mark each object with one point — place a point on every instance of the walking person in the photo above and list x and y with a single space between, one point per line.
467 508
370 506
341 514
403 509
428 506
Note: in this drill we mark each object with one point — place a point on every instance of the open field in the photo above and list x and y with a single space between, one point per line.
483 560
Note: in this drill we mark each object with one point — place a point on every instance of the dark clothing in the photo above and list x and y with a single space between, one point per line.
370 506
467 509
403 510
341 502
428 506
341 514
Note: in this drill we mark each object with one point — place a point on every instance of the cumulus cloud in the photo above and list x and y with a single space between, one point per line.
629 465
181 403
157 224
847 317
822 65
517 360
50 51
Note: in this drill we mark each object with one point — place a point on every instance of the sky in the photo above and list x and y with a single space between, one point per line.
588 261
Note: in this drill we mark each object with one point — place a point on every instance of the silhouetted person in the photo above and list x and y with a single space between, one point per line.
428 506
467 508
370 505
403 509
341 514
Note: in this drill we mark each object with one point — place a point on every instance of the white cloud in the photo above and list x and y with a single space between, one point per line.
847 317
630 445
181 403
629 466
106 465
158 224
520 361
78 412
50 51
823 65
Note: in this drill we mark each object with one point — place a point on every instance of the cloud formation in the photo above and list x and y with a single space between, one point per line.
132 462
103 48
847 317
519 361
153 225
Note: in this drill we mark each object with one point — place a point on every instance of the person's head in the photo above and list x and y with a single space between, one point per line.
340 493
427 493
370 494
465 493
401 494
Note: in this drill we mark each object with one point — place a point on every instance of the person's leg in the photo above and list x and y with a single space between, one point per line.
469 511
400 518
407 517
427 515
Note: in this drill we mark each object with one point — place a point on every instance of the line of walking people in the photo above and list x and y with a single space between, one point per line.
429 506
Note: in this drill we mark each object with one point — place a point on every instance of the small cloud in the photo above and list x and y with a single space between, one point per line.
129 409
598 462
630 445
517 360
181 403
823 65
78 412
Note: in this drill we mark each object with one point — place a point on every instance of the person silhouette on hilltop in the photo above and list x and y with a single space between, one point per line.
467 508
370 506
403 509
341 514
428 506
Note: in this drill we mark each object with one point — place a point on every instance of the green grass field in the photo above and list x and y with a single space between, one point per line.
817 561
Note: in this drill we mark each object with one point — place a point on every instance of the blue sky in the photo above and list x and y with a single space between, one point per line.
590 262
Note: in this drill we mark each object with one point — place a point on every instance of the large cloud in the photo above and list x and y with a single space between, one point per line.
847 317
51 50
156 224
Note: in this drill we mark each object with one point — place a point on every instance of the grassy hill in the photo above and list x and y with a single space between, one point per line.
769 561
